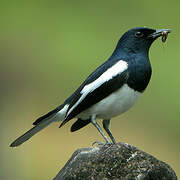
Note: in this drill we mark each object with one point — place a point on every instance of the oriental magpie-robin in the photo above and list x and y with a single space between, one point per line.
110 90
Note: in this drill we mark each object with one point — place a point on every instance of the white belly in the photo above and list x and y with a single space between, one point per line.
113 105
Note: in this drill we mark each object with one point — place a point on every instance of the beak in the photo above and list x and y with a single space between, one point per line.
159 32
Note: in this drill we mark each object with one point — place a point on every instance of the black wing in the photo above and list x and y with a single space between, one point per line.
95 96
79 124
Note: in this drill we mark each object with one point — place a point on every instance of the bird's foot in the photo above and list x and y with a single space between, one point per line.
101 143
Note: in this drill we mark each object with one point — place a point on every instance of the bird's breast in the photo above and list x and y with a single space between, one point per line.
139 75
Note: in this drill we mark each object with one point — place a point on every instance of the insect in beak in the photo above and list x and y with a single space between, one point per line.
164 36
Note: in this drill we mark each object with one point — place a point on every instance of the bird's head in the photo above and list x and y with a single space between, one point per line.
140 39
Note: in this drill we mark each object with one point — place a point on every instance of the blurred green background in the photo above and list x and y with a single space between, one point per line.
49 47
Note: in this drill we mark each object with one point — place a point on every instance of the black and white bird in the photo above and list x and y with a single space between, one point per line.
112 89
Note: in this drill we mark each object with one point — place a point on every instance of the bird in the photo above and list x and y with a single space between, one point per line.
112 89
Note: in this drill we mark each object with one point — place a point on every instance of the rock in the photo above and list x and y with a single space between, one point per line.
114 162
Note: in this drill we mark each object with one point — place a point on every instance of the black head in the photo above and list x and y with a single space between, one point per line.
139 39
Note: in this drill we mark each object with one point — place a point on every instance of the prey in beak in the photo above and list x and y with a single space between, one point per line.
161 32
164 36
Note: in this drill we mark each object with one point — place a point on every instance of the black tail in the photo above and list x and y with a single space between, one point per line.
30 133
40 124
48 115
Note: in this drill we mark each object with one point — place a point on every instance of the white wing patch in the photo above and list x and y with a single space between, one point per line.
118 68
113 71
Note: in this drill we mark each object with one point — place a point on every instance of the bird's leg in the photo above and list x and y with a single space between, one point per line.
106 126
93 121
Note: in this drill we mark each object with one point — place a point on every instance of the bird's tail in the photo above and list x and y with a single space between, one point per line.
41 123
30 133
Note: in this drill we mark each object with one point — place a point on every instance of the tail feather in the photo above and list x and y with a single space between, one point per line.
30 133
48 115
55 115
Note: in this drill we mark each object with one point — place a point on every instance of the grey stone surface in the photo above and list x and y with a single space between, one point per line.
114 162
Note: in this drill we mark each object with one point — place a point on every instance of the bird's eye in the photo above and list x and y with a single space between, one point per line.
139 34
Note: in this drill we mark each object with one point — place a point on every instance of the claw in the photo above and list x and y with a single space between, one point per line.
100 143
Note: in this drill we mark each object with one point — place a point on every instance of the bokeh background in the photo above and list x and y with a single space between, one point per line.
47 48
